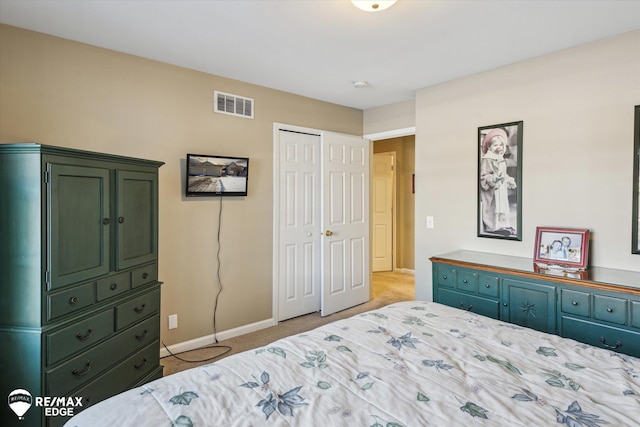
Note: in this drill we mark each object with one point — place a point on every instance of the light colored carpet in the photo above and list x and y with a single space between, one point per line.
387 288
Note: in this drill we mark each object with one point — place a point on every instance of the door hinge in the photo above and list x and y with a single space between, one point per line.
47 177
47 278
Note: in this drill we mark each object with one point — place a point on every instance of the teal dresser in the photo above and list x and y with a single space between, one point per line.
80 296
598 306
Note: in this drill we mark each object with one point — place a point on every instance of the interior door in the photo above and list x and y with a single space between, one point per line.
299 224
382 210
345 222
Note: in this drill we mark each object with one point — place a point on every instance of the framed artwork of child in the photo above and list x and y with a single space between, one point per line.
500 181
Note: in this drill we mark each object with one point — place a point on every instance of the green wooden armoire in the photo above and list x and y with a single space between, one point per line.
79 289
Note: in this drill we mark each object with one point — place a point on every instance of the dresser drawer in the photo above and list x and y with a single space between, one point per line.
61 303
609 337
446 276
575 302
475 304
78 336
143 275
466 281
610 309
136 309
112 286
488 285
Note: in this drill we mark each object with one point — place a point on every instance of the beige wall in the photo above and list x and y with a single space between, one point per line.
63 93
400 115
577 106
404 147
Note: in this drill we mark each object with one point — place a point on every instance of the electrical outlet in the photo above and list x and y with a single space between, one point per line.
173 321
429 222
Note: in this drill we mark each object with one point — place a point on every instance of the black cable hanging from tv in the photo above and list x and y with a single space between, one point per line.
215 308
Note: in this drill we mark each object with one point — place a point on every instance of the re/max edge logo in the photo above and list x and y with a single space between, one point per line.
20 401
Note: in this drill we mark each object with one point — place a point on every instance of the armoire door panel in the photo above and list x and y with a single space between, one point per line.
78 223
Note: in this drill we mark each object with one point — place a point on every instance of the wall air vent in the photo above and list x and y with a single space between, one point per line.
234 105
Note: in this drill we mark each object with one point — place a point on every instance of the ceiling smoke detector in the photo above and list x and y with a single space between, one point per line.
373 6
360 84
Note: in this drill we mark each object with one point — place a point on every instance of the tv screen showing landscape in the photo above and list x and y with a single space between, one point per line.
209 175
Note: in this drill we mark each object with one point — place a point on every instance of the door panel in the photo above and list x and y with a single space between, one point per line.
78 244
136 220
299 225
345 212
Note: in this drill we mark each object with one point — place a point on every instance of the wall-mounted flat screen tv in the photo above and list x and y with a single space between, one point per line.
209 175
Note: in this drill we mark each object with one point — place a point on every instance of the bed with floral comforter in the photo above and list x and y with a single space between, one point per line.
407 364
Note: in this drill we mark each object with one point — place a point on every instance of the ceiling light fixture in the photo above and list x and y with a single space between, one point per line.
360 84
373 6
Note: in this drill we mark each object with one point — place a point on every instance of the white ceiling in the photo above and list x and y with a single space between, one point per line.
318 48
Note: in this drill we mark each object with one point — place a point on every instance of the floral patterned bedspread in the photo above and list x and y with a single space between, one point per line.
407 364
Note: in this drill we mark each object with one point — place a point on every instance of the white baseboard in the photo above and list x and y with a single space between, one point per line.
210 339
406 271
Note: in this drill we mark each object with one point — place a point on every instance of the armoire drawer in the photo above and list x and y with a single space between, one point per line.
140 334
136 309
74 299
82 368
143 275
112 286
117 379
79 336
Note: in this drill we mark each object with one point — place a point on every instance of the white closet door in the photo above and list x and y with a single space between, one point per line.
299 272
345 222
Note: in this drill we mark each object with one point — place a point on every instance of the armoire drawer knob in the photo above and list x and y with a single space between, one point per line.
574 302
74 300
121 219
609 310
113 286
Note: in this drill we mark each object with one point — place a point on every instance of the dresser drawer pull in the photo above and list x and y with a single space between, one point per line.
468 308
487 286
609 310
85 336
74 300
574 302
444 277
465 281
613 347
143 336
141 365
140 309
145 275
121 219
113 286
84 372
